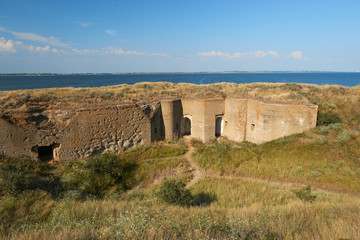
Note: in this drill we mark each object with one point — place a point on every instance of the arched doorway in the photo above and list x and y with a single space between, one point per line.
218 126
185 126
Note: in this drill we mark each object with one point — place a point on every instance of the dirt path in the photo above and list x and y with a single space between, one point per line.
197 174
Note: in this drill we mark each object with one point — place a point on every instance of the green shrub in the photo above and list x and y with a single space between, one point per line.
324 129
343 137
21 174
322 140
99 176
28 208
327 118
173 191
336 126
329 105
305 194
195 142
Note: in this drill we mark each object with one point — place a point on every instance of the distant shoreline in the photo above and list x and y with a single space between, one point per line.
149 73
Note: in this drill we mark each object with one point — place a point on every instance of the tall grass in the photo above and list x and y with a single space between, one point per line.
332 164
239 209
111 219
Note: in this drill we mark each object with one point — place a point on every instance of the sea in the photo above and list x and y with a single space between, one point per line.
16 82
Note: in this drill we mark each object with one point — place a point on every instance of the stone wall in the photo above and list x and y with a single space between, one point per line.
99 130
74 134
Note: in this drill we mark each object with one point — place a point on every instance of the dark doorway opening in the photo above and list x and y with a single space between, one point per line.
45 153
218 126
185 126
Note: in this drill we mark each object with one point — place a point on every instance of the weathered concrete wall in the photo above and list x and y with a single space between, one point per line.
24 131
244 119
266 122
99 130
78 134
81 133
157 125
172 115
194 109
213 108
235 119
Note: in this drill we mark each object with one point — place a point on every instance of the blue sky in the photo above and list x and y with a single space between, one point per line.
170 36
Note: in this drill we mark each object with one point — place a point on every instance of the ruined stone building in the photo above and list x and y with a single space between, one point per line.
74 134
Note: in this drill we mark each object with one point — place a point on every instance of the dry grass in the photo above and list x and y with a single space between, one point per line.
331 164
276 215
325 158
239 209
151 93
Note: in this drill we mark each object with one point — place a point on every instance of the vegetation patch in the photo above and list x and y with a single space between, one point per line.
305 194
98 176
324 162
173 191
327 118
21 174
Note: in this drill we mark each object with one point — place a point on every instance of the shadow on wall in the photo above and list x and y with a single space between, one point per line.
157 126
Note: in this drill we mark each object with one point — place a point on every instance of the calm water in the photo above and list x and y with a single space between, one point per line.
31 82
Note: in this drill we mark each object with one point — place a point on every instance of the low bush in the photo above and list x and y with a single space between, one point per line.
327 118
99 176
305 194
343 137
22 174
195 142
173 191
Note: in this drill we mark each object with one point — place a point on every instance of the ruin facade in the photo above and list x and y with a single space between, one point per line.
236 119
74 134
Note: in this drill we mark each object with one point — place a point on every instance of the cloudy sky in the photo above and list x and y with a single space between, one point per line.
168 36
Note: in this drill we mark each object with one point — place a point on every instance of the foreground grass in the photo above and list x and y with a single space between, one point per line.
301 158
276 215
233 208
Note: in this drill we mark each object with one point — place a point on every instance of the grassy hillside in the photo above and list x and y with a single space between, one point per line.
230 206
304 186
150 93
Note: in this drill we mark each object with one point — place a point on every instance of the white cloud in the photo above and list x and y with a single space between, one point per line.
120 51
44 49
111 32
273 53
85 51
84 24
7 46
114 51
298 55
256 54
34 37
53 41
161 54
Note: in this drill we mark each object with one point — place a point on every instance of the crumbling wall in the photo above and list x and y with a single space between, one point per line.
74 134
21 133
99 130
